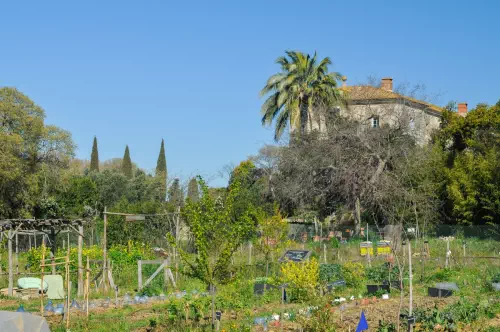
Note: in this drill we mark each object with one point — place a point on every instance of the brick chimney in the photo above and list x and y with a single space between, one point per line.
462 109
386 83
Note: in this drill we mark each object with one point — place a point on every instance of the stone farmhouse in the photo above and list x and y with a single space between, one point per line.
379 106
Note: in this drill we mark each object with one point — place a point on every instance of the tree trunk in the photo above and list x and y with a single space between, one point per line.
380 169
357 217
212 290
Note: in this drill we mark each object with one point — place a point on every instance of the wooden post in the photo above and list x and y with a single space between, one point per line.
29 239
116 296
68 287
87 287
17 253
53 239
165 273
177 231
34 238
11 272
249 253
80 262
410 277
139 274
465 260
105 252
447 252
42 268
324 252
52 260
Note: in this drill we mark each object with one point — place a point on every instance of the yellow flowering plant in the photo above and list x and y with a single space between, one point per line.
302 278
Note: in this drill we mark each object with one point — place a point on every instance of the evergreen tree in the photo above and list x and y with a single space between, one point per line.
127 164
193 193
161 170
175 194
161 164
94 157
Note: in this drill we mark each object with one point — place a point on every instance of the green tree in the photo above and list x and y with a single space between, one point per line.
253 189
193 192
27 147
472 164
161 169
80 192
94 157
300 94
112 185
127 164
217 234
175 194
273 235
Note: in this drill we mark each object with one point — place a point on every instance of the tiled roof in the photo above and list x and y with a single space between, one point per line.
368 93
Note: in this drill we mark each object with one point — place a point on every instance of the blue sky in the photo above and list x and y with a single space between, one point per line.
190 71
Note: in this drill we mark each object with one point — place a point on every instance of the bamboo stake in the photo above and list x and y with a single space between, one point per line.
447 252
80 262
105 252
87 287
41 286
68 286
410 309
11 272
54 264
17 253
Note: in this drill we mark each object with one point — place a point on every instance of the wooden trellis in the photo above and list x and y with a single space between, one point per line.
48 227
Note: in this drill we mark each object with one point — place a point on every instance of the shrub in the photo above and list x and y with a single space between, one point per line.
441 275
354 274
322 320
330 272
302 277
381 273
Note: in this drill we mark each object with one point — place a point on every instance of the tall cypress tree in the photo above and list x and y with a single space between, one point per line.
193 193
94 157
161 163
127 164
175 195
161 170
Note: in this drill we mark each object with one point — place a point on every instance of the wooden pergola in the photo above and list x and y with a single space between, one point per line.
45 227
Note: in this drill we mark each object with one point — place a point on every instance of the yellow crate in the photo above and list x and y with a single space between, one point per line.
383 248
365 248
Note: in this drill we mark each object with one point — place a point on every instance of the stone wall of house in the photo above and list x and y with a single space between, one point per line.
415 119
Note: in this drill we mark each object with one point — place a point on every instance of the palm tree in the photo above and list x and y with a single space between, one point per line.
299 93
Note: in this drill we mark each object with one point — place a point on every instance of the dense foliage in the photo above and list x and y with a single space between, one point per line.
471 146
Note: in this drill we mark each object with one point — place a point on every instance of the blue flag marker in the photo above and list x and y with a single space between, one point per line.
363 324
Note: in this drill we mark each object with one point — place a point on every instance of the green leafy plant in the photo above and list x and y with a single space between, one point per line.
354 274
217 232
330 272
274 235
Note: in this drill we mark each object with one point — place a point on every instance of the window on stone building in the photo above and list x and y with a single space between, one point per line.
374 121
412 124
